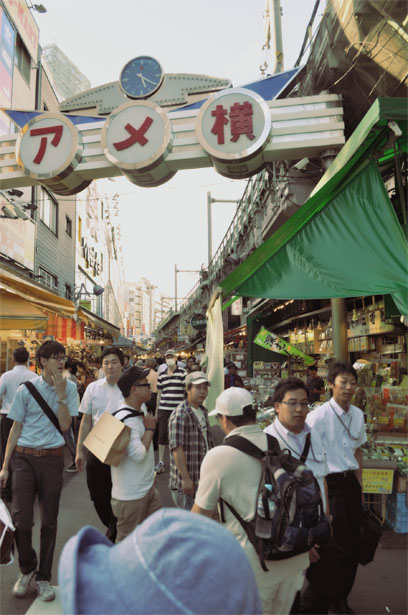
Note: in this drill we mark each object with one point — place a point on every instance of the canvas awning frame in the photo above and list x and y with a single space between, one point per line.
373 138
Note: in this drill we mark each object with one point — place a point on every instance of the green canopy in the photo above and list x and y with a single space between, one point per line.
345 241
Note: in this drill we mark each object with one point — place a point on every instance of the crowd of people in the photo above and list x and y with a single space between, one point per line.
164 406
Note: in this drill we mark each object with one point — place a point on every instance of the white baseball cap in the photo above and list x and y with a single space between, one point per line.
232 402
197 378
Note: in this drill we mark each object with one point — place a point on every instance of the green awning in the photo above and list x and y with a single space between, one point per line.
345 241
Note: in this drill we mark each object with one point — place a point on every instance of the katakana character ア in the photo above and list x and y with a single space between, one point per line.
136 135
241 120
36 132
220 121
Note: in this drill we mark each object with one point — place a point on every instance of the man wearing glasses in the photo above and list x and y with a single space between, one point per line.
38 464
100 396
134 495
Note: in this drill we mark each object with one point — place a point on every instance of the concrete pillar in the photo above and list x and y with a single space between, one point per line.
339 326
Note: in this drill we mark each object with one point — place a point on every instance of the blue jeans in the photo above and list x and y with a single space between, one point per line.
182 500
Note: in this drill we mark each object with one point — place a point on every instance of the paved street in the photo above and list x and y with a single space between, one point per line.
380 585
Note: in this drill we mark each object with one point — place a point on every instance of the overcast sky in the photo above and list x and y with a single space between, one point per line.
167 225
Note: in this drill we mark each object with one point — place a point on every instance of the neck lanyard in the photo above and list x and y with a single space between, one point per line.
308 442
344 425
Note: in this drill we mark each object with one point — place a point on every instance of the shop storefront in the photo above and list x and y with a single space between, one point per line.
345 246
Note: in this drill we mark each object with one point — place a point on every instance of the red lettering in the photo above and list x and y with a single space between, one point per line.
220 120
241 121
136 135
37 132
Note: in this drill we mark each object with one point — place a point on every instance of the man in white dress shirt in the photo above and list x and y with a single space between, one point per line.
341 428
9 383
134 494
291 403
100 396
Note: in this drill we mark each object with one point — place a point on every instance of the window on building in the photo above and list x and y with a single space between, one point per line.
22 59
79 229
49 211
48 279
68 225
68 291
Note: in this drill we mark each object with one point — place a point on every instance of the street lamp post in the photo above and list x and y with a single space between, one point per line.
176 271
210 201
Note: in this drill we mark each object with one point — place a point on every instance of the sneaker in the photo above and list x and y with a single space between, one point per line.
72 468
21 585
159 468
45 591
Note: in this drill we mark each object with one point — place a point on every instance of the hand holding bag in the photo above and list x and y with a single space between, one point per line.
108 439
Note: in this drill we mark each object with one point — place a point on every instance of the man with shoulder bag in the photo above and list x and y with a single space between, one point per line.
40 412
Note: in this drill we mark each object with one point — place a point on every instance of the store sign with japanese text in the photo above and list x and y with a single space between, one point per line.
376 480
270 341
233 128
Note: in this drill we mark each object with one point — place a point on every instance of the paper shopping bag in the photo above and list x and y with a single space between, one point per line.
108 439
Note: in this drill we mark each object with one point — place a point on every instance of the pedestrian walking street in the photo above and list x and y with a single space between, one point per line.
380 587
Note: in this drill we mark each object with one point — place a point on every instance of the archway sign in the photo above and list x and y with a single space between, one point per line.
148 137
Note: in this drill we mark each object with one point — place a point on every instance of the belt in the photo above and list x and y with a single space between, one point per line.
41 452
345 474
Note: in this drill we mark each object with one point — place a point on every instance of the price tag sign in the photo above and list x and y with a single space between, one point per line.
376 480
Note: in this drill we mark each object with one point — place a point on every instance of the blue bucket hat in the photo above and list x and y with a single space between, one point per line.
174 562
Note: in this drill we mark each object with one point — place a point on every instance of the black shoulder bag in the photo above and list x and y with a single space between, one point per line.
43 404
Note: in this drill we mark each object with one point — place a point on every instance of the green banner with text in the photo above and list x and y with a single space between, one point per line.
273 342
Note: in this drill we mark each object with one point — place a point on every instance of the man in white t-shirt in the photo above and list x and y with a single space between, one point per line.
9 383
134 495
100 396
189 439
232 475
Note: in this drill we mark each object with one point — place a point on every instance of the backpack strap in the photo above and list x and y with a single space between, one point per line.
43 405
245 446
305 453
130 413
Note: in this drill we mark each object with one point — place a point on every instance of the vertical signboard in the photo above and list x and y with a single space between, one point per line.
7 45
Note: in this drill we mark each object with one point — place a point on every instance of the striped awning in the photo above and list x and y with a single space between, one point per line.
62 329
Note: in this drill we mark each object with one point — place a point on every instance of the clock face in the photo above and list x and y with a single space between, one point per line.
141 77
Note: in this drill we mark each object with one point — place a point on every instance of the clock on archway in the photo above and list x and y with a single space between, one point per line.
141 77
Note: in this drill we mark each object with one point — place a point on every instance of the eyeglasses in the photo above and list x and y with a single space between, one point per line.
304 405
61 357
142 385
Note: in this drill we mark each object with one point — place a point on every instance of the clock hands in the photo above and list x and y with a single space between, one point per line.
144 79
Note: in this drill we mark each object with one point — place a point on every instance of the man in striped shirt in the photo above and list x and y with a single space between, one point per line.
170 393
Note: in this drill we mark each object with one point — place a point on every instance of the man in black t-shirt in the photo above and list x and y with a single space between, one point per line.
315 385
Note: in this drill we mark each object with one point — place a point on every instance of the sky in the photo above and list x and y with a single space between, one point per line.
167 226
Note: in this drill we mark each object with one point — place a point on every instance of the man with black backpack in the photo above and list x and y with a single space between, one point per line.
246 475
41 411
134 495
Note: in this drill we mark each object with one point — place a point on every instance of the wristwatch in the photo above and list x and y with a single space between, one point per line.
62 401
149 429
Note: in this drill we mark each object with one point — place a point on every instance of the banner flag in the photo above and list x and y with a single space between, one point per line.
273 342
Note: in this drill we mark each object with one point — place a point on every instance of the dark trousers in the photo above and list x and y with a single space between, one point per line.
33 476
331 579
98 478
5 428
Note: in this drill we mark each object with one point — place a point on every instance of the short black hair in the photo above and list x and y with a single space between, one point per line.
21 354
312 368
130 377
340 368
113 350
248 416
72 365
47 349
288 384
